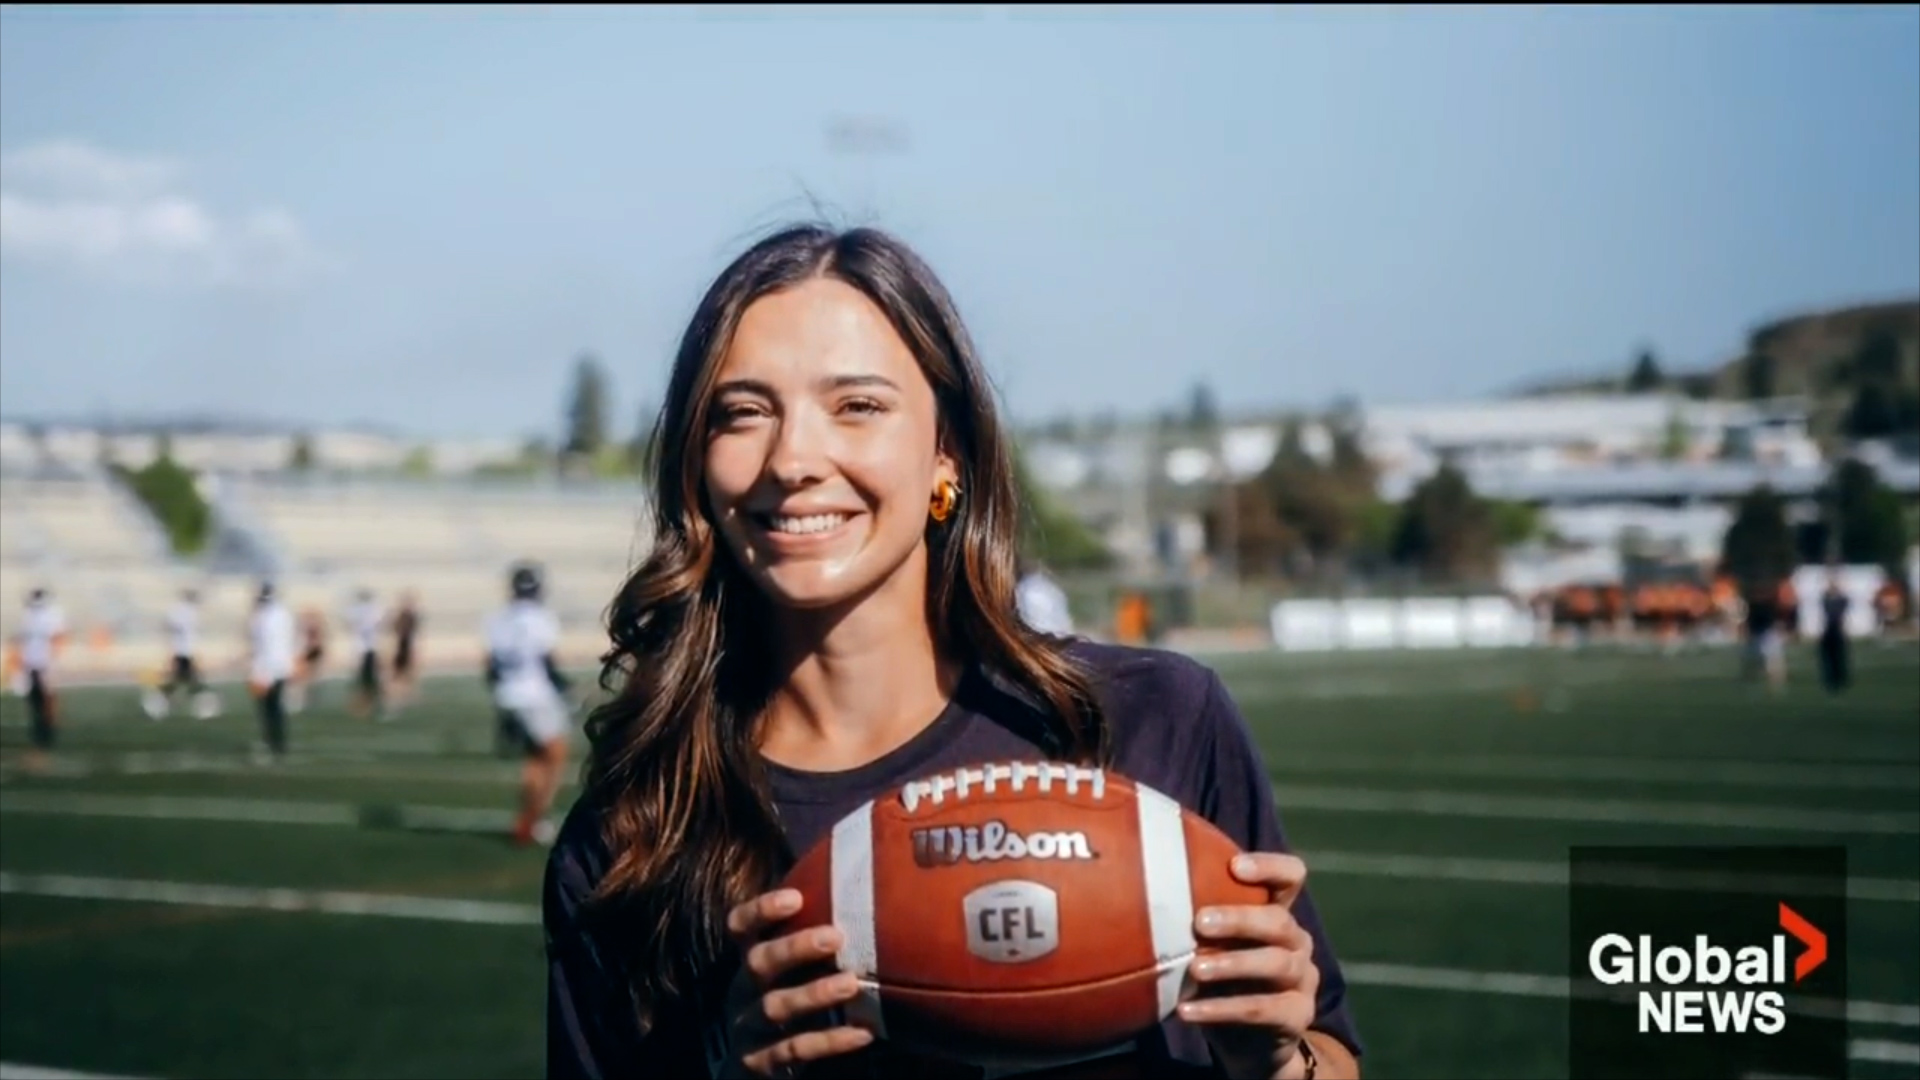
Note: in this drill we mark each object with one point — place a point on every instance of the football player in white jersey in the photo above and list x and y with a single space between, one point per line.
42 634
530 694
366 619
183 631
270 633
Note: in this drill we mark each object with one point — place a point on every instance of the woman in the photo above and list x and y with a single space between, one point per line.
827 612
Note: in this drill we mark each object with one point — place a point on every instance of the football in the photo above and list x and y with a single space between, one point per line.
1025 911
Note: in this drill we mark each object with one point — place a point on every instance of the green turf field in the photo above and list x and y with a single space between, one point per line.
170 910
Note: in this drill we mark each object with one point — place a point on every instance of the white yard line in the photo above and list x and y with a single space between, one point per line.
1884 1051
12 1070
1293 797
1550 873
1537 872
351 757
1693 773
430 908
256 811
441 909
304 765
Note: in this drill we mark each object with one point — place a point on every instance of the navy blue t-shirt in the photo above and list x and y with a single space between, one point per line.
1173 728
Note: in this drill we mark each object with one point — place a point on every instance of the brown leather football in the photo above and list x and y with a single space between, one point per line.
1025 911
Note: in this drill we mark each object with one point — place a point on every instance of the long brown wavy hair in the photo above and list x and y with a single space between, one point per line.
674 766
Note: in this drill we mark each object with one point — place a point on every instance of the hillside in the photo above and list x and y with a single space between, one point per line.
1825 355
1812 353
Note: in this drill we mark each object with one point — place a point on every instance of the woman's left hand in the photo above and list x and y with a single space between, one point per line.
1258 994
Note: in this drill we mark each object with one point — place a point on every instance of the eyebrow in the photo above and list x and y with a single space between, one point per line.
832 382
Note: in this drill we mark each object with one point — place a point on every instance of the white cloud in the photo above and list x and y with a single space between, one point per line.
131 219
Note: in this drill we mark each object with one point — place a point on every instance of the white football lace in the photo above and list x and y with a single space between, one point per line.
961 782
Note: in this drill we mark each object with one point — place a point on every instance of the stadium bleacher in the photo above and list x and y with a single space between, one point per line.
450 543
76 533
112 572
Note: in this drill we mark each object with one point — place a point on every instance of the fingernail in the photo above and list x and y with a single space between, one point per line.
1243 864
1204 969
1209 921
823 939
1193 1010
787 900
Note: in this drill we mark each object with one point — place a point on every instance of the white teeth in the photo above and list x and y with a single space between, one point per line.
812 523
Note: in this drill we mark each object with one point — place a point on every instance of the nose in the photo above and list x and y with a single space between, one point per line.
801 448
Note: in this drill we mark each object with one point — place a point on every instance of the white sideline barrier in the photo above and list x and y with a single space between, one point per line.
1486 622
1860 583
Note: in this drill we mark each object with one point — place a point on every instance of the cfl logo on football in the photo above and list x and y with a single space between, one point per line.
993 842
1684 995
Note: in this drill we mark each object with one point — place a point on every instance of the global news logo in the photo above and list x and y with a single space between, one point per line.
1709 987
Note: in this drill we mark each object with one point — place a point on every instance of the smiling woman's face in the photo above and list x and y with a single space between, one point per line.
823 450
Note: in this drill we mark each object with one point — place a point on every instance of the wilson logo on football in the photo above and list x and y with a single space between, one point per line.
994 842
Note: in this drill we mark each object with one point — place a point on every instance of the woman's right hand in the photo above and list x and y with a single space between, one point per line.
786 1029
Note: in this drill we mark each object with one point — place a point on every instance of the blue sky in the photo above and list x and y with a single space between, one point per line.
418 218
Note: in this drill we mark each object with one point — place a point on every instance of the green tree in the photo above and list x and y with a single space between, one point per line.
1315 503
1866 517
170 492
587 409
1261 543
1699 387
1761 372
1878 359
1675 440
1292 452
1646 376
1349 457
1300 514
1874 412
1446 532
1203 412
1758 549
1514 522
1049 532
301 459
418 463
1883 404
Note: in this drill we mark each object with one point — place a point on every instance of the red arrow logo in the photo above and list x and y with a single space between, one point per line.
1808 935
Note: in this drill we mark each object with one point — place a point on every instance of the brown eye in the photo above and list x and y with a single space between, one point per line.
862 407
734 413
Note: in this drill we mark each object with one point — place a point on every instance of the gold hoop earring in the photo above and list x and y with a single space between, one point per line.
946 498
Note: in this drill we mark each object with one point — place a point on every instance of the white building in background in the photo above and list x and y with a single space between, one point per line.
1653 473
356 451
1568 434
1690 532
245 452
16 447
457 457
